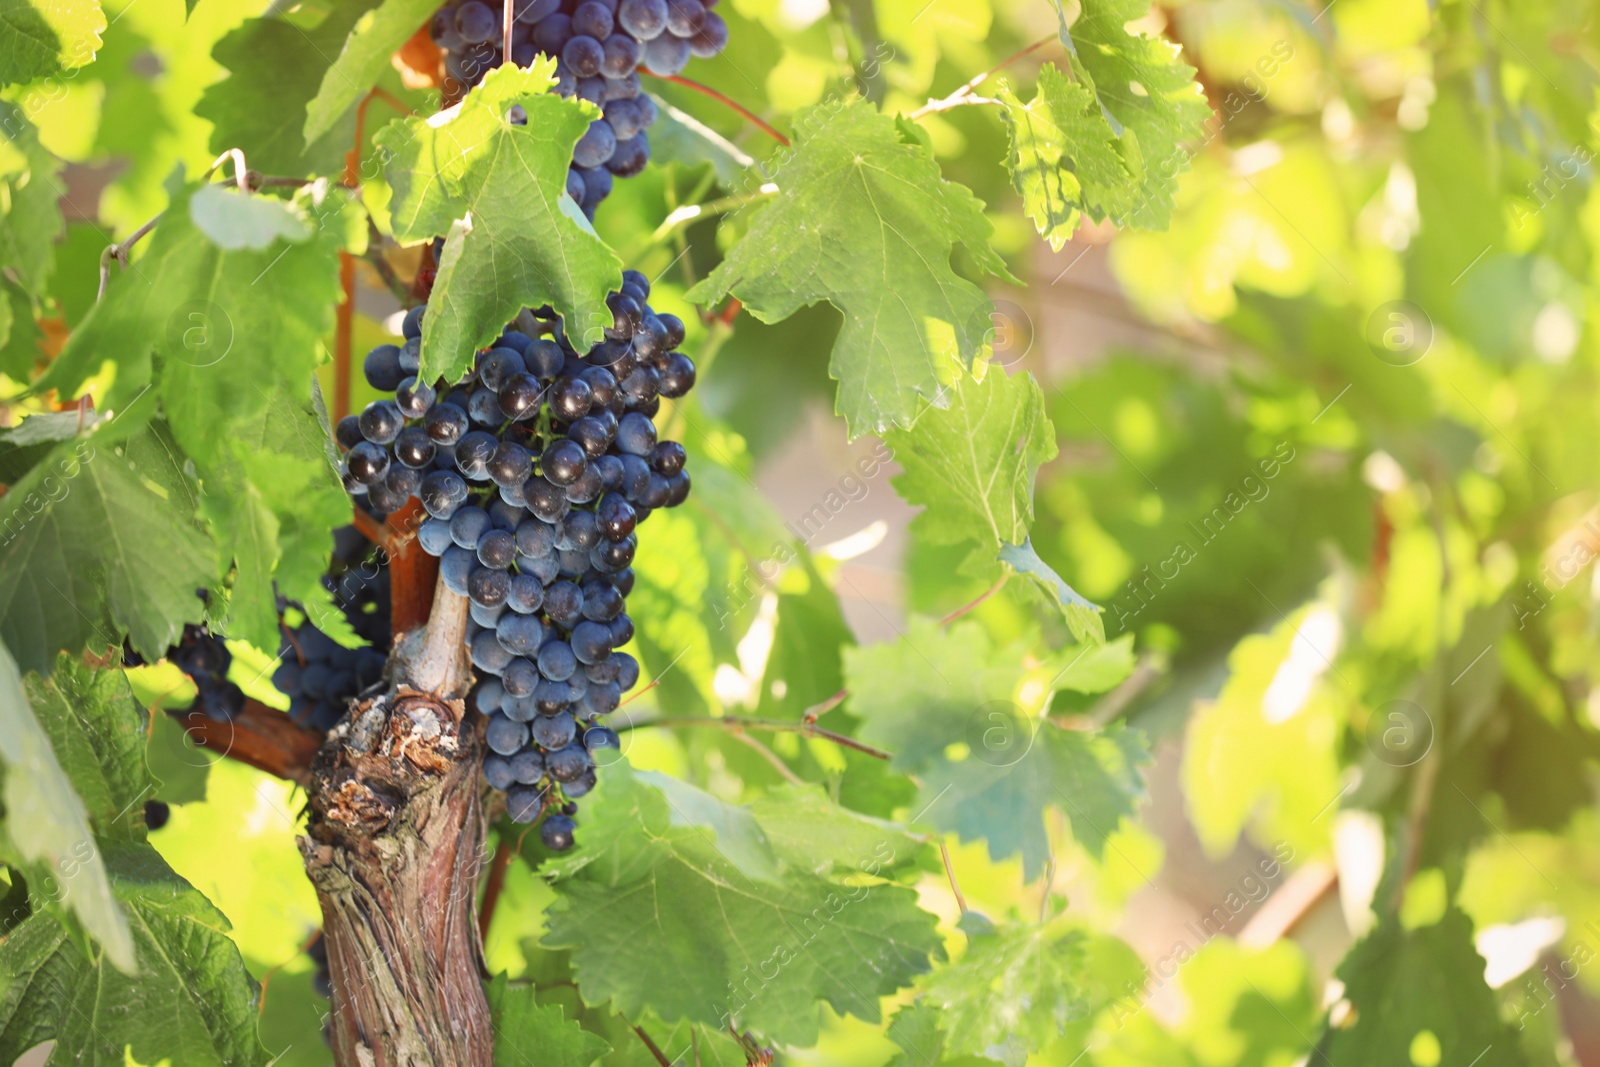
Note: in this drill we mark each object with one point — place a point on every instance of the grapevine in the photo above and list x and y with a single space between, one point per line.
604 533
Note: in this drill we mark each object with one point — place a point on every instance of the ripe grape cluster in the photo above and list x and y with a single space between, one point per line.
320 676
599 47
535 470
205 658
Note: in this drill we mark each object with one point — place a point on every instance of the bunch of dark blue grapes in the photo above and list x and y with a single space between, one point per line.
320 676
205 658
599 46
535 470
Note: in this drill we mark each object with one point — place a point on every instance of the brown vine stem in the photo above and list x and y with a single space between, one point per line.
822 707
727 101
776 726
962 95
493 885
655 1050
985 595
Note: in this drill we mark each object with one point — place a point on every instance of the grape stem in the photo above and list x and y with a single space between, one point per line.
964 95
727 101
778 726
944 854
770 756
655 1050
985 595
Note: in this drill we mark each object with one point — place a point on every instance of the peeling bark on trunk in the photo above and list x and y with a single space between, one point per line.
394 848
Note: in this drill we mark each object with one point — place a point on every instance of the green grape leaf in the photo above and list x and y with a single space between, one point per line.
97 729
19 333
1095 779
30 197
920 694
46 823
1013 992
25 444
233 220
275 69
661 919
1150 97
40 38
916 1029
945 702
98 540
220 331
1083 617
1064 161
192 1001
864 220
970 462
515 239
231 337
376 36
526 1031
1403 983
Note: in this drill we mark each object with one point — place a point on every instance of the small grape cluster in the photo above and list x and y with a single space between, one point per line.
599 46
320 676
535 471
205 658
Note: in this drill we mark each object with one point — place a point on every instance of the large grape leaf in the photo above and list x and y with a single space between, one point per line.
46 824
863 219
99 540
1150 98
660 916
1064 161
947 704
527 1032
376 36
191 1002
30 199
275 70
515 239
1402 983
39 38
1012 992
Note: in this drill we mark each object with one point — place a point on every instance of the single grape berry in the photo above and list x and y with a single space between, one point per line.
367 462
556 832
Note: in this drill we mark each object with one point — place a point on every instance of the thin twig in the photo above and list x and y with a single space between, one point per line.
777 726
770 756
822 707
985 595
655 1050
944 854
506 21
492 886
119 250
654 682
960 95
748 115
